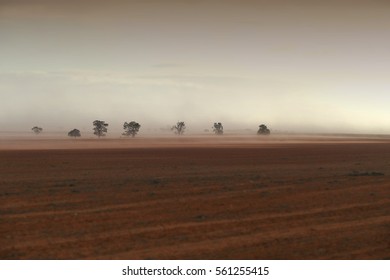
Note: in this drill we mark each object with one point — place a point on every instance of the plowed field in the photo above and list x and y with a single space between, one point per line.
322 200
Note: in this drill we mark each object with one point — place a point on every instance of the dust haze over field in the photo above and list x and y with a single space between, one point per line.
304 66
315 72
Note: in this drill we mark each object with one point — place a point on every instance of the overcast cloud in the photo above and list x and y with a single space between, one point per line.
304 66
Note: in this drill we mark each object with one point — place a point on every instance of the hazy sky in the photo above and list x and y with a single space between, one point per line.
302 66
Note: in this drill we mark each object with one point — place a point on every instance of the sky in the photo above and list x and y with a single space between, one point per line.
297 66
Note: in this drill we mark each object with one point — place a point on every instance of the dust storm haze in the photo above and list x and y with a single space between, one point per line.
303 66
299 67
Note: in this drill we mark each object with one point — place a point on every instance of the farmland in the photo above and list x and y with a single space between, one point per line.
195 198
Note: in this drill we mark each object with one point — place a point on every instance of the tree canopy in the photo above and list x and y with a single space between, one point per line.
100 128
263 130
218 128
179 128
131 128
37 129
74 133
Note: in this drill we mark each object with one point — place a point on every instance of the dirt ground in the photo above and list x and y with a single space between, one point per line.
191 198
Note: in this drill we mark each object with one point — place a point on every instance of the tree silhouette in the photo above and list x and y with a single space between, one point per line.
100 128
131 128
74 133
37 129
218 128
179 128
263 130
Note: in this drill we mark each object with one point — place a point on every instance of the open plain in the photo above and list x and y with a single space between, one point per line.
195 198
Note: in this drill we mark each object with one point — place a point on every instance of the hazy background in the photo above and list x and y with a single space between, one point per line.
303 66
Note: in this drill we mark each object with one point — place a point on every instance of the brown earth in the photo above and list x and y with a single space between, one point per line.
188 199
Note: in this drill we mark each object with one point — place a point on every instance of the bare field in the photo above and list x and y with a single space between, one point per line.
195 198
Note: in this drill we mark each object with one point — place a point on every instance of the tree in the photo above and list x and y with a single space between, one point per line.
74 133
100 128
131 128
179 128
37 129
263 130
218 128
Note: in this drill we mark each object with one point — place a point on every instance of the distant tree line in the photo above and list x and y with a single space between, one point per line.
132 128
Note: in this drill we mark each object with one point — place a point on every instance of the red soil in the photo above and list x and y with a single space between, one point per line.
276 200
